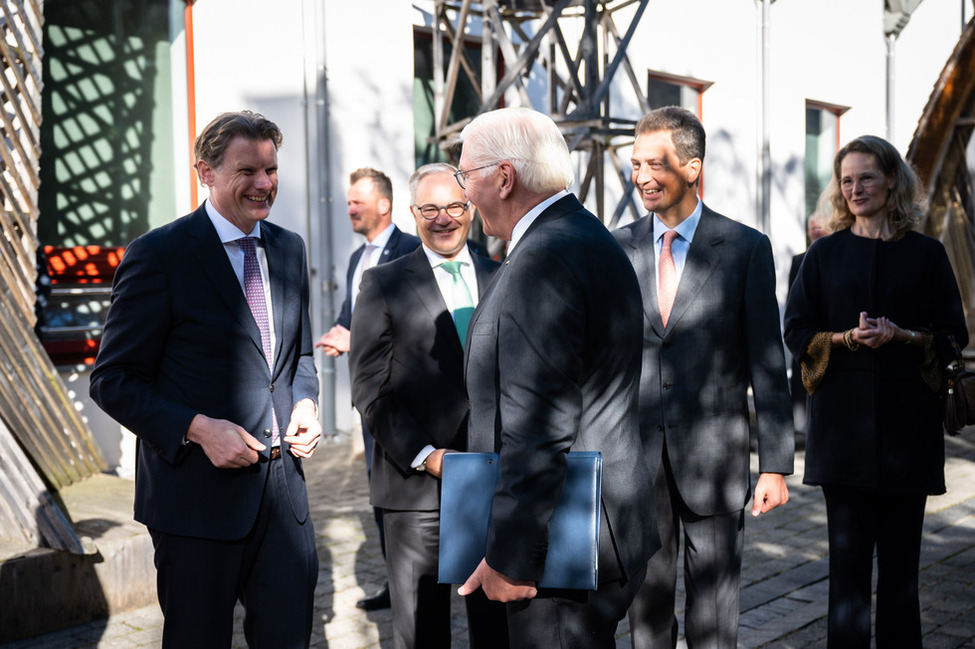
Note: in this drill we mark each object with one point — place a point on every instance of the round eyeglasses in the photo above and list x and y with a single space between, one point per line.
431 211
461 176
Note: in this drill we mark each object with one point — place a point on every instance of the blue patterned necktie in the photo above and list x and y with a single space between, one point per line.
463 303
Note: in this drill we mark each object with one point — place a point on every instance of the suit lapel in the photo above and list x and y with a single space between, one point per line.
702 260
215 266
643 256
390 248
421 279
482 274
353 262
281 289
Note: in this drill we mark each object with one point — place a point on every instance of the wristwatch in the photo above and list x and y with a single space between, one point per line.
423 465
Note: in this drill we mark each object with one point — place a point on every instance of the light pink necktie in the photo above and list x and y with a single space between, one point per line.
667 273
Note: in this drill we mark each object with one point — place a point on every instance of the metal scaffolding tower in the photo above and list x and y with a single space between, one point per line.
529 42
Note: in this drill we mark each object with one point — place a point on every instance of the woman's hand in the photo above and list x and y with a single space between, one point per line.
874 332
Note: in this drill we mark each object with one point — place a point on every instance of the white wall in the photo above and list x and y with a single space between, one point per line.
370 73
250 56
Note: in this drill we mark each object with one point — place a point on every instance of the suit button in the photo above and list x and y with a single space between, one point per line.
660 428
665 344
267 432
667 385
272 387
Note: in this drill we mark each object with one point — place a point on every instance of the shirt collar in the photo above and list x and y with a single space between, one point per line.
383 237
226 230
464 256
685 228
525 222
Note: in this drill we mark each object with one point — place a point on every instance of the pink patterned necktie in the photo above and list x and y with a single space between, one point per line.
254 290
667 273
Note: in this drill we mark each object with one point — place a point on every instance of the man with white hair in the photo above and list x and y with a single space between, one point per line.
553 365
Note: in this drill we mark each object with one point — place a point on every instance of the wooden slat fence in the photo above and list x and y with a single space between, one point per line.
35 405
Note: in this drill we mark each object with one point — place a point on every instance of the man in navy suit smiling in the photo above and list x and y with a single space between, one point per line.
207 358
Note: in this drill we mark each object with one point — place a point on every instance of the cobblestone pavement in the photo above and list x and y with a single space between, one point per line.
784 577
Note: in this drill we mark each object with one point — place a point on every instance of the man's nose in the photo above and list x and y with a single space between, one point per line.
442 217
264 181
642 175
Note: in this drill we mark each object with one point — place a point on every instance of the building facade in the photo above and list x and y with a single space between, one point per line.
778 85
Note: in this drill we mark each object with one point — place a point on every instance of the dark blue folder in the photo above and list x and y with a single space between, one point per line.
467 492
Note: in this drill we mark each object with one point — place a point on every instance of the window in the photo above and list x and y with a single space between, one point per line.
671 90
822 143
467 97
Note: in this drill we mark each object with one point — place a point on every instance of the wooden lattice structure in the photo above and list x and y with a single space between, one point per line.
44 445
939 153
578 73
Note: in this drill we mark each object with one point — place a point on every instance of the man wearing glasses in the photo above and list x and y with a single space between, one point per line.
553 365
407 364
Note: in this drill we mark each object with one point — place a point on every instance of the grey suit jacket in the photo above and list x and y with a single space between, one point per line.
553 365
407 368
722 337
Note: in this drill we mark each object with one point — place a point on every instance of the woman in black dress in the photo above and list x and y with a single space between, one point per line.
871 317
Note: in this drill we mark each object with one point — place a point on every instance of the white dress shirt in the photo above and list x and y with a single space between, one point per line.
380 243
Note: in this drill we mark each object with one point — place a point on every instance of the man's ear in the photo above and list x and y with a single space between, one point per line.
692 170
506 179
205 172
384 206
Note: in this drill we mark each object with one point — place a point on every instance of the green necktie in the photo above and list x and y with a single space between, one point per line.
462 302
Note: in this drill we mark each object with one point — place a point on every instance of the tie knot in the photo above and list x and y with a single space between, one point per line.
246 244
669 237
452 267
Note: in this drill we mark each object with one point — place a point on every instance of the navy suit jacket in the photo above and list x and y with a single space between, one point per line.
723 336
553 365
180 340
400 243
407 368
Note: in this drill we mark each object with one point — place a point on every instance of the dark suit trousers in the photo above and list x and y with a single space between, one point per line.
580 620
369 446
421 606
272 571
712 568
858 522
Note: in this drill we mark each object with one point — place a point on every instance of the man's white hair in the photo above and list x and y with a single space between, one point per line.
529 140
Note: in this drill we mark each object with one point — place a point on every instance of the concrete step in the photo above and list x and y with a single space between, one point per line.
45 590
